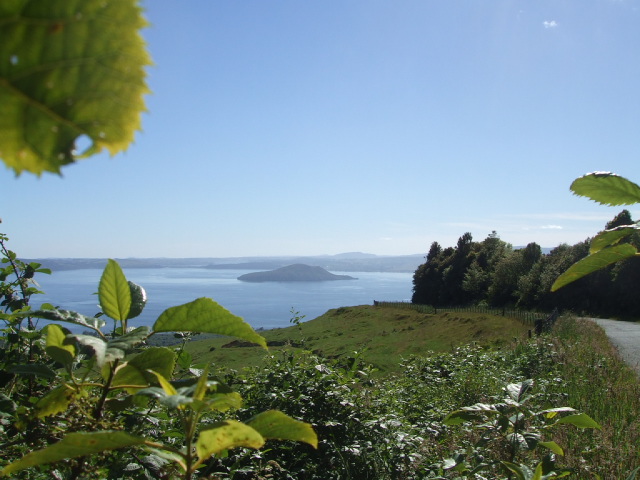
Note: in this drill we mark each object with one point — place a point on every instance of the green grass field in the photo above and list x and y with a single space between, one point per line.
382 335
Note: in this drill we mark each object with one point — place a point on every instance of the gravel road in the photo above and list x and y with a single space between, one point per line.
626 337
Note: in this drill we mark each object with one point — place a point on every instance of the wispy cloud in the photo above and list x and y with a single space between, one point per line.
550 24
541 227
565 216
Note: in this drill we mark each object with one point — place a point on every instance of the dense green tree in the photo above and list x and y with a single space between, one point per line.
623 218
427 280
454 273
493 272
486 256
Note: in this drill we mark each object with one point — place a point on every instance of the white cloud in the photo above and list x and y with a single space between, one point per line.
551 227
550 24
603 216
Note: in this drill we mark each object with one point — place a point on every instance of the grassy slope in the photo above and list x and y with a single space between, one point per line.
385 334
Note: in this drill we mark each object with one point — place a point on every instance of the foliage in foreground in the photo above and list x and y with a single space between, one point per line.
88 83
607 247
68 398
107 405
515 404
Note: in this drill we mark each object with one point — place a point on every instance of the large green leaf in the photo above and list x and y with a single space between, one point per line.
72 446
580 420
593 263
607 189
226 435
206 316
135 371
611 237
114 292
553 446
56 401
56 347
273 424
69 68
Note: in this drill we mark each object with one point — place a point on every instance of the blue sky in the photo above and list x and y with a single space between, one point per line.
320 127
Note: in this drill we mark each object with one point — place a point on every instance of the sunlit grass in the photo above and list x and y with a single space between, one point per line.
598 382
383 336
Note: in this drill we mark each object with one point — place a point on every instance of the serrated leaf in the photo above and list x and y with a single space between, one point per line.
553 446
206 316
66 316
607 188
56 347
56 401
580 420
135 372
88 81
114 292
226 435
611 237
74 445
275 425
593 263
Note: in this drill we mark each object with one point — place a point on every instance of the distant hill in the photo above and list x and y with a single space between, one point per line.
294 273
343 262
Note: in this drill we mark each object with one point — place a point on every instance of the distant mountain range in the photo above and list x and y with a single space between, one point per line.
294 273
343 262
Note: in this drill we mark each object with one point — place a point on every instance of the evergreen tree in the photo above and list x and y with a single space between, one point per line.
427 279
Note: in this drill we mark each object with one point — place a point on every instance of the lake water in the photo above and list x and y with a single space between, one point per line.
263 305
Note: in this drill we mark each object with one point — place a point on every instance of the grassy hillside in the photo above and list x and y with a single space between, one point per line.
384 335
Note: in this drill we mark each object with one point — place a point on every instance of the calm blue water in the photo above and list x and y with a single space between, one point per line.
265 305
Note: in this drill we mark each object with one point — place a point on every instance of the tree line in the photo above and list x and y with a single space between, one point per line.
494 273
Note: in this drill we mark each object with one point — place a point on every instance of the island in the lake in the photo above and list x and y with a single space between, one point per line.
294 273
